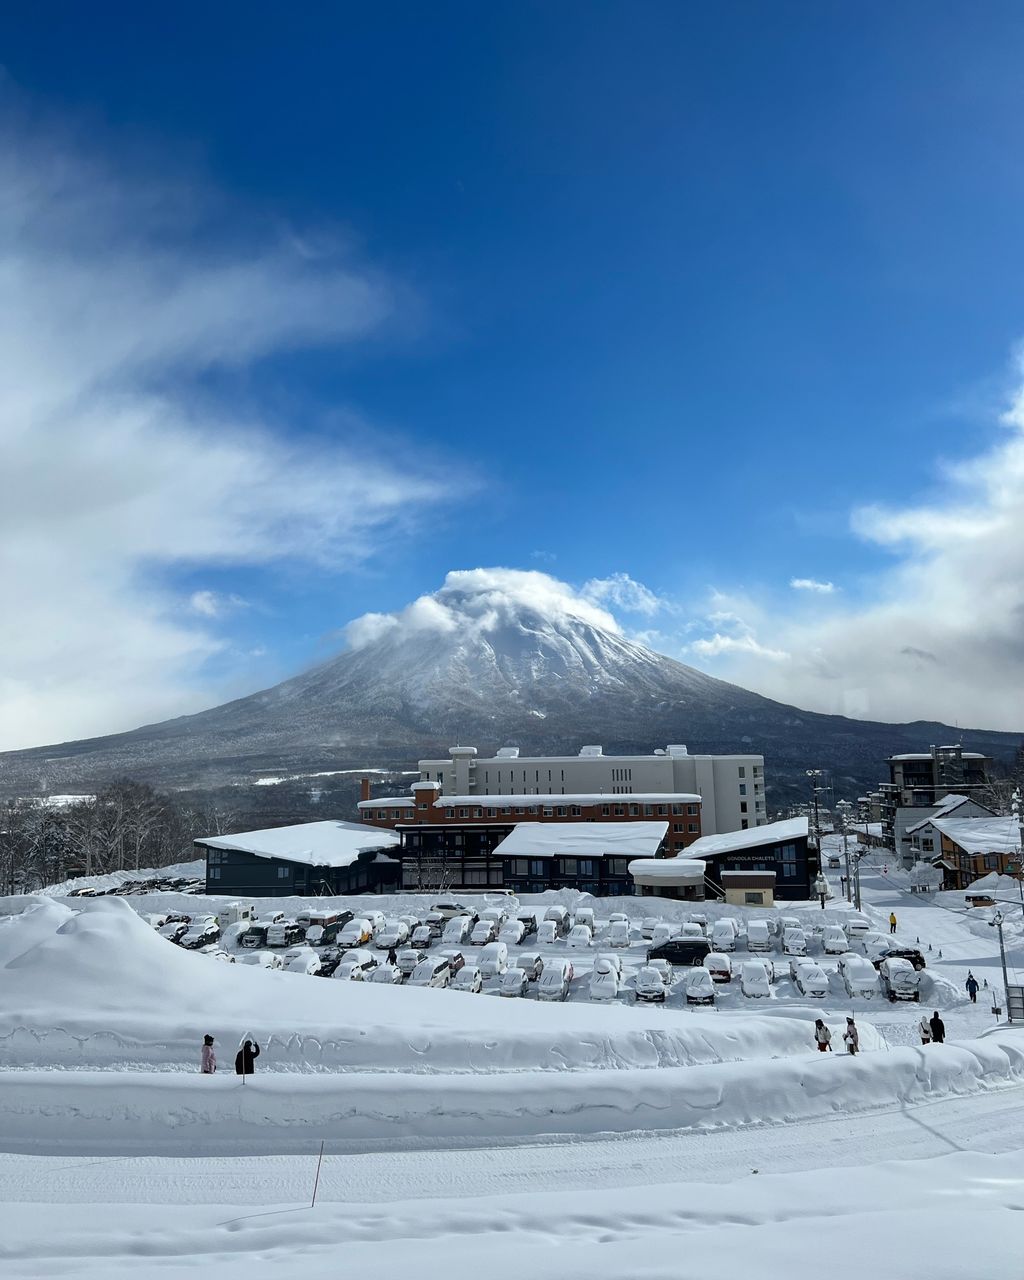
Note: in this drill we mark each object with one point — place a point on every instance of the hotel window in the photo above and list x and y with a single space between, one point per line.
506 808
463 813
531 808
449 813
492 813
677 809
396 813
742 771
478 813
678 828
575 811
605 811
691 809
213 873
382 813
567 866
743 806
619 810
617 866
662 810
648 810
284 873
743 788
744 824
548 812
560 811
692 828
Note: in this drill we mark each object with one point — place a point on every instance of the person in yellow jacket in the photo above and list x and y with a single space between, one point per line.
892 921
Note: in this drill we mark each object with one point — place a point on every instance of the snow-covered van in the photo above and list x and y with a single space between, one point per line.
719 966
859 976
723 935
493 959
433 971
553 983
759 937
833 940
559 917
898 979
457 931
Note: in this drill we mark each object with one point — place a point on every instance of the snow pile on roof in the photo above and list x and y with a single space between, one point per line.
587 839
669 871
981 835
554 798
995 885
388 802
97 986
942 810
315 844
752 838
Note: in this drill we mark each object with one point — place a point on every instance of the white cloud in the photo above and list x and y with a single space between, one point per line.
811 584
623 592
115 296
215 604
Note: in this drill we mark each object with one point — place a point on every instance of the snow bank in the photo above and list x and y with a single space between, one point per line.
94 985
110 1112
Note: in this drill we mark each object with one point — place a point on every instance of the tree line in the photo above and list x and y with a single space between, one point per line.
127 826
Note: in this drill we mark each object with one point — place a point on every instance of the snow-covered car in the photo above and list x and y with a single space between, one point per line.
613 958
253 937
663 932
580 936
284 933
435 922
457 931
857 925
681 951
648 926
553 983
355 965
456 958
376 918
200 934
699 918
719 966
322 927
559 917
650 986
394 934
302 960
531 963
876 946
421 937
216 952
411 921
585 915
175 931
387 973
604 981
483 933
512 933
155 920
754 981
898 979
689 930
759 937
514 982
468 978
618 934
407 960
833 940
794 942
432 971
357 933
810 980
497 916
493 960
449 909
858 975
261 959
547 932
699 986
618 917
723 935
528 919
664 967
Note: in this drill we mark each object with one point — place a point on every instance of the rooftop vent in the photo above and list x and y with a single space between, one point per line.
591 751
507 753
677 749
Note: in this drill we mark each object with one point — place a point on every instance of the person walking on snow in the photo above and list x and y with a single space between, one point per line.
892 921
972 987
938 1027
925 1029
822 1037
209 1058
244 1058
852 1036
392 956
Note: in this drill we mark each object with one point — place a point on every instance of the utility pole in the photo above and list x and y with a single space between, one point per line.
1018 813
844 810
856 880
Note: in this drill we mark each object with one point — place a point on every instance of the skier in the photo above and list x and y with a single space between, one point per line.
822 1037
938 1028
852 1036
892 921
249 1051
972 987
209 1058
925 1029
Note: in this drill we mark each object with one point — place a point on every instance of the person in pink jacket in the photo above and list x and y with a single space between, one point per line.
209 1058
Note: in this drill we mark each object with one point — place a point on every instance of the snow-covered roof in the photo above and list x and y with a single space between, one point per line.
927 755
388 802
315 844
589 839
667 871
981 835
947 806
576 797
994 883
752 838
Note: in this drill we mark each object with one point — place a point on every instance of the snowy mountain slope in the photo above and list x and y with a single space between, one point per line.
466 664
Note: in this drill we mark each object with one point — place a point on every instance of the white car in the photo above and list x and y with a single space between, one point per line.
618 917
394 934
580 936
302 960
663 933
493 960
355 965
699 986
698 918
664 967
876 946
407 961
468 978
376 918
356 933
531 963
449 910
723 935
547 932
512 932
810 980
559 917
648 926
483 933
794 942
719 966
690 930
614 958
759 937
618 934
422 937
432 971
604 981
585 915
833 940
898 979
457 930
514 982
261 959
857 925
553 983
650 986
859 976
385 973
754 981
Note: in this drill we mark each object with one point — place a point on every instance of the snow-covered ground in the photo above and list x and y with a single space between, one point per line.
469 1134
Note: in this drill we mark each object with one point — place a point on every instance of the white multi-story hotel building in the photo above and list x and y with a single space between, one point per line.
731 787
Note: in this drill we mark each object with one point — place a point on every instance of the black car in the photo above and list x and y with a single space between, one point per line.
904 953
681 951
254 937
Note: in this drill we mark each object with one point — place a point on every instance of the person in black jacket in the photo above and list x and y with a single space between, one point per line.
245 1057
938 1028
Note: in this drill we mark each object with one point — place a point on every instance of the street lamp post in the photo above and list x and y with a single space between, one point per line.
844 810
997 923
856 879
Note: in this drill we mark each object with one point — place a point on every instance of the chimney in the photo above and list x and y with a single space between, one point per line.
364 788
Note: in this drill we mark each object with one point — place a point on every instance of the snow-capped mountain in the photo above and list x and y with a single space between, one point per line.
479 664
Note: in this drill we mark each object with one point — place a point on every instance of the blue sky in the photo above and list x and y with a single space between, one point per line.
670 291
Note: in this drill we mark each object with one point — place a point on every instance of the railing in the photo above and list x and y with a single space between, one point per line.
716 890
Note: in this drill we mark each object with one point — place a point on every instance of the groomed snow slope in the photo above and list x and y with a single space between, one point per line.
93 985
